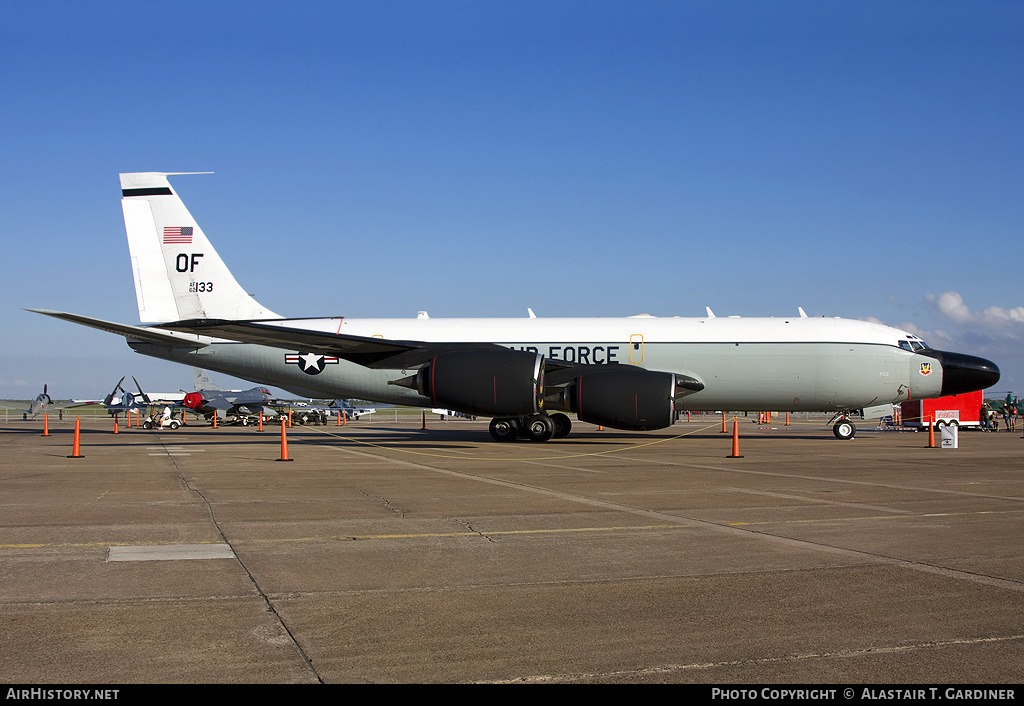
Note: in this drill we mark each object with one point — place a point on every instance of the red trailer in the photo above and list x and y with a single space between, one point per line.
962 410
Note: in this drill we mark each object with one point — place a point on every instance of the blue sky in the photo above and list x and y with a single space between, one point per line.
474 158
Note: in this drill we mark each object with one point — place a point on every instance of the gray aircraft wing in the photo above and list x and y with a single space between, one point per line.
369 352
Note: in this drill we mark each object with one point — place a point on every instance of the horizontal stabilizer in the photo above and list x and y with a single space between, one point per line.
138 333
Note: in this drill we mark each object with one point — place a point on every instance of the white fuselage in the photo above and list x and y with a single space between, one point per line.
797 363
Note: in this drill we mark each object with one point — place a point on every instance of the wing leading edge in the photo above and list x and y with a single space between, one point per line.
366 351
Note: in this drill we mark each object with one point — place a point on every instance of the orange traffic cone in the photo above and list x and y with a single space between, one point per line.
284 443
931 432
115 423
724 429
46 424
735 440
75 449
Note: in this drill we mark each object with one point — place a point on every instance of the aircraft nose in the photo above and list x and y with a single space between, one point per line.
964 373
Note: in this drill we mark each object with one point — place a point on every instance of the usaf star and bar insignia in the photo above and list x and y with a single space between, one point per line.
310 363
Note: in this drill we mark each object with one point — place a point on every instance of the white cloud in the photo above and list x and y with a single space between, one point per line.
951 305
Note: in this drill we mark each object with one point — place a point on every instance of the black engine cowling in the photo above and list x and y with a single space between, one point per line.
491 383
633 399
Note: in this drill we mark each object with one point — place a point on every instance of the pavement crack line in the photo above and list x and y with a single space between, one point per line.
268 603
473 529
387 503
857 554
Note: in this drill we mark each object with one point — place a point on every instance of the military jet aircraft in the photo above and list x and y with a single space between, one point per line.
634 373
241 406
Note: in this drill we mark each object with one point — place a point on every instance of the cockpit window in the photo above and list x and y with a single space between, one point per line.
913 345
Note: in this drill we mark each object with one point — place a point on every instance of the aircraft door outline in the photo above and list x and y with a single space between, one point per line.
636 348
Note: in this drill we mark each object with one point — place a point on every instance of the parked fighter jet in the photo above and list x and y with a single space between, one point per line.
243 405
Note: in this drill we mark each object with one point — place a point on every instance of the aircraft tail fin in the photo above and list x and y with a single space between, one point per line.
202 379
178 274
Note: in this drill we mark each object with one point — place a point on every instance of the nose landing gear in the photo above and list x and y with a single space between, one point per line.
844 429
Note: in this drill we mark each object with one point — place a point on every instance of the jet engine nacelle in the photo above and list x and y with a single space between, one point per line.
193 400
491 383
633 399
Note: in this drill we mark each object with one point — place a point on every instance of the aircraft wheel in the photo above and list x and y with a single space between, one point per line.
245 421
540 427
504 429
563 425
844 429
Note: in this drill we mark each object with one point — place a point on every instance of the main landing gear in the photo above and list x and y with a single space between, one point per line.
539 427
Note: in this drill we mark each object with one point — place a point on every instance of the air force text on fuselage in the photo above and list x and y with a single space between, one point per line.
582 354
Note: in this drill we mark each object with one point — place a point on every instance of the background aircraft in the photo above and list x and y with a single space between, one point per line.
313 413
235 405
44 403
39 404
120 401
242 406
352 411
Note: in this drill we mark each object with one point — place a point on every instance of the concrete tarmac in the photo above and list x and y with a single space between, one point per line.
386 553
